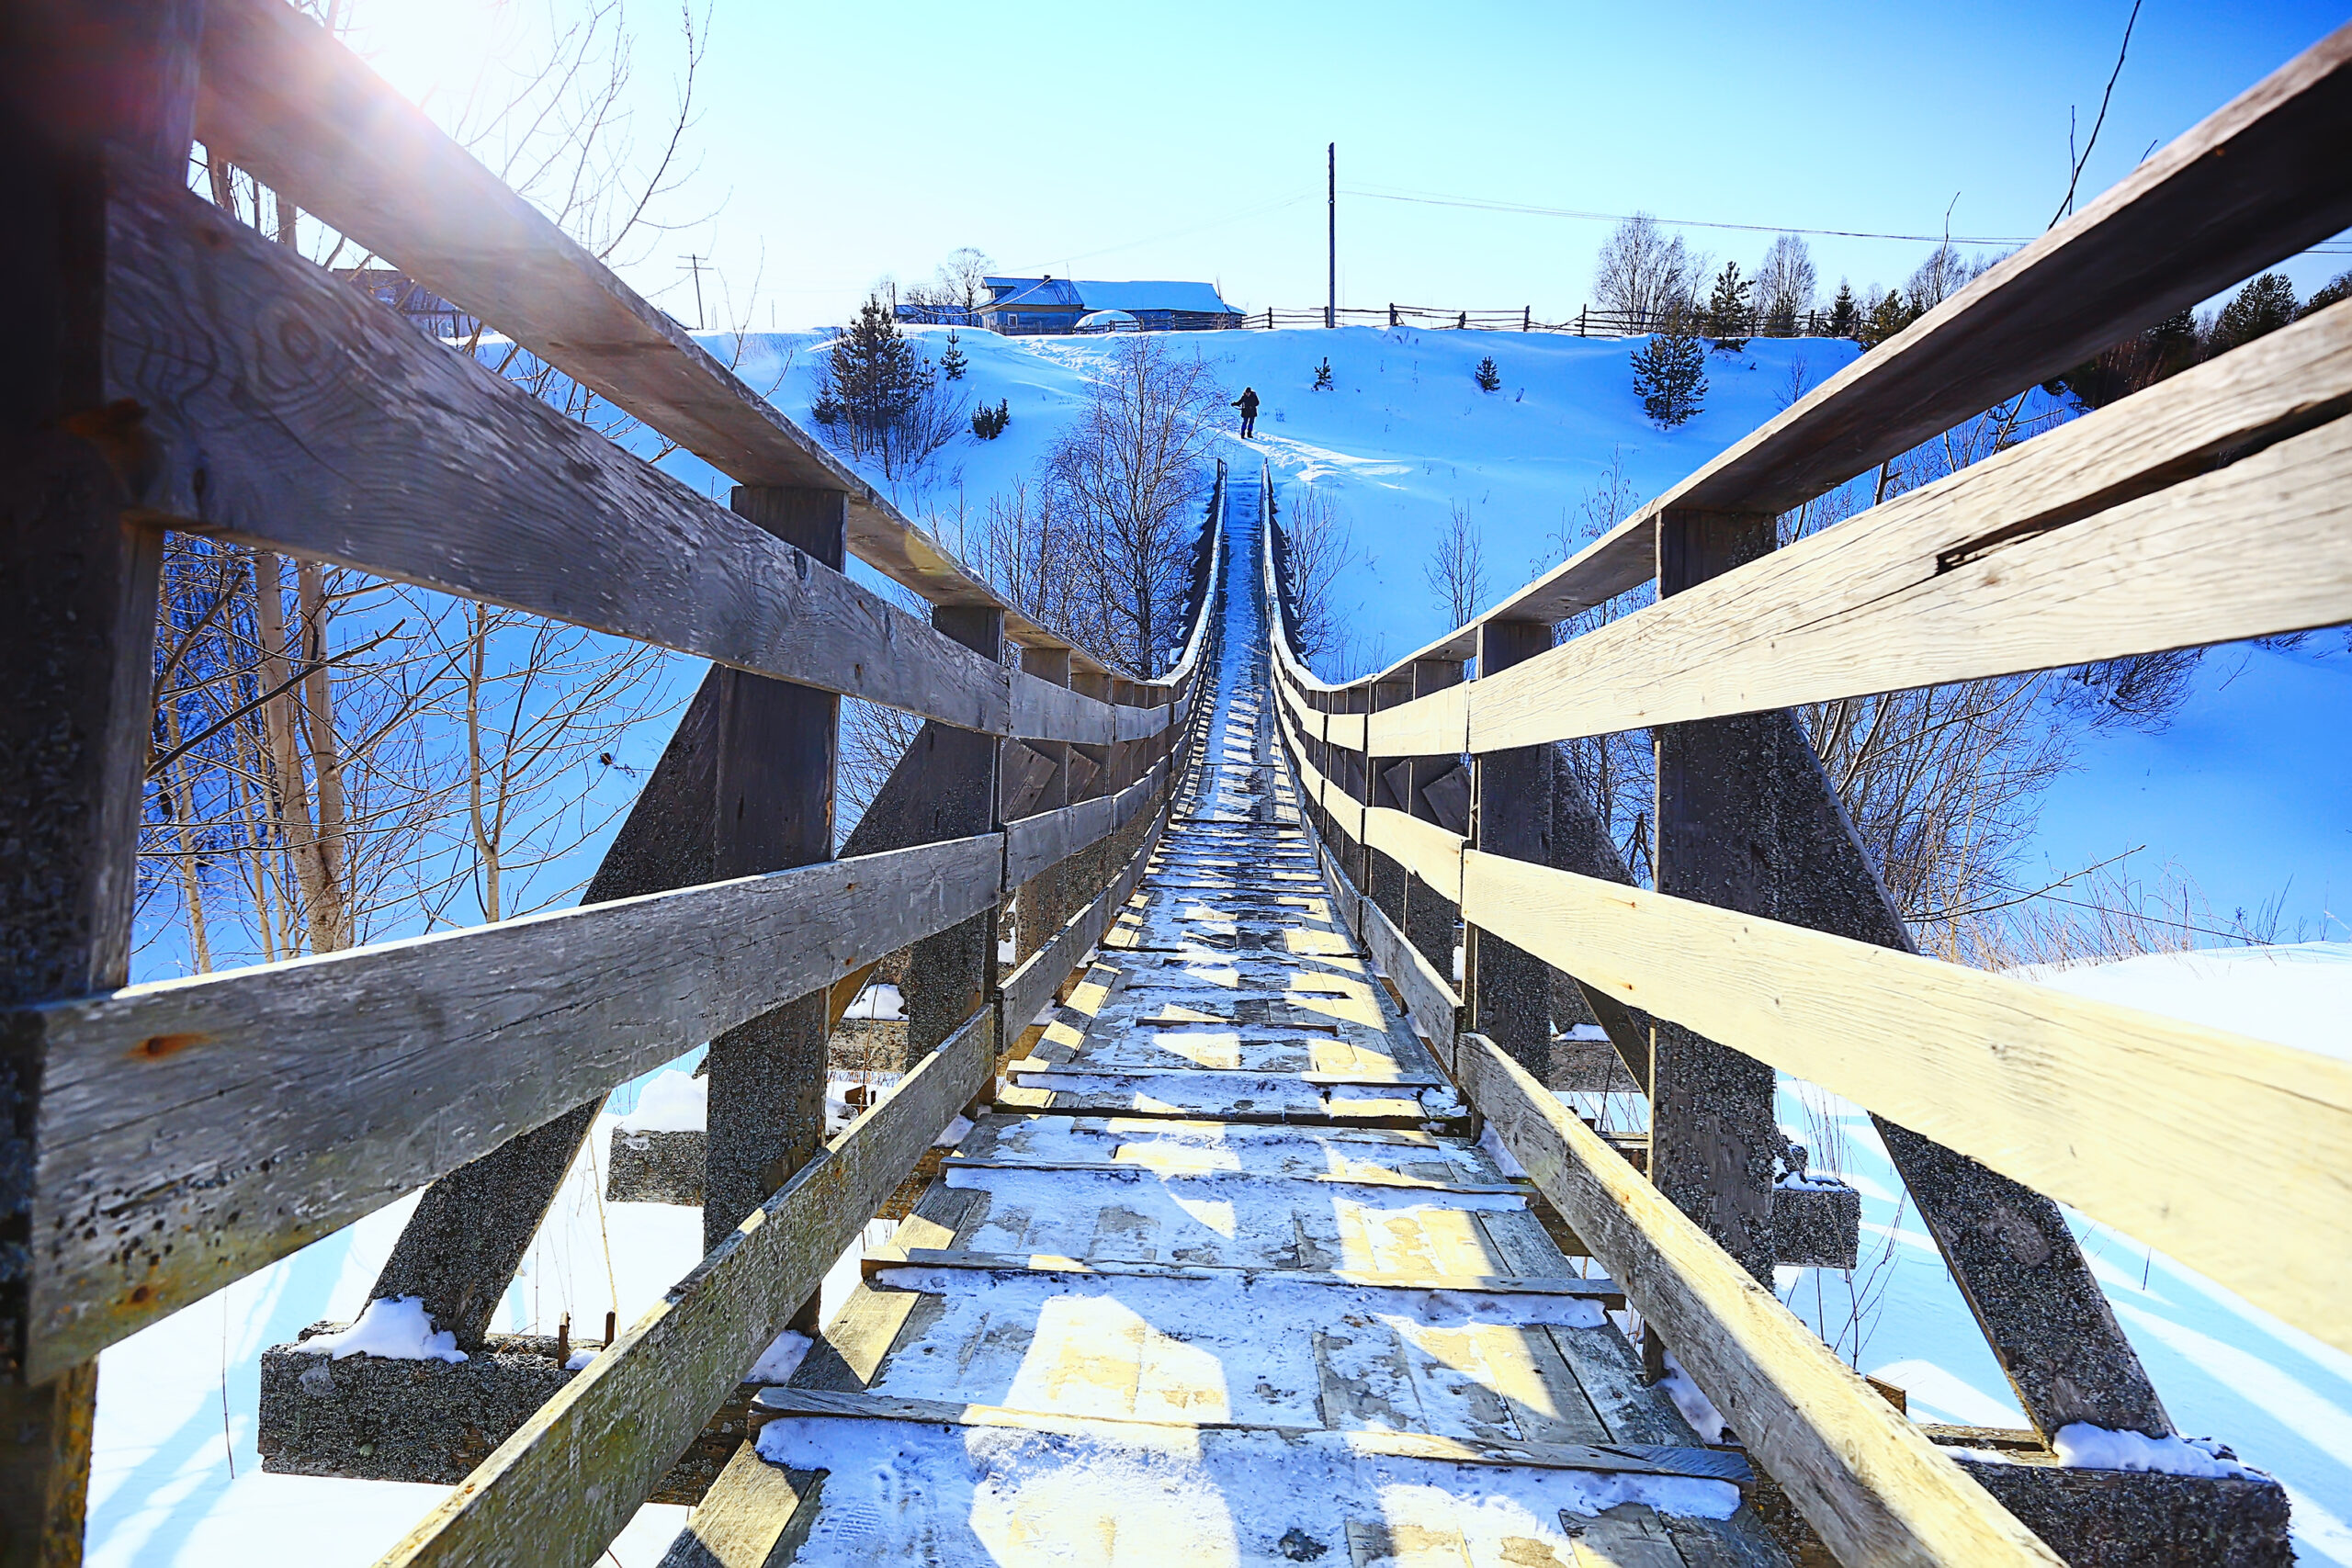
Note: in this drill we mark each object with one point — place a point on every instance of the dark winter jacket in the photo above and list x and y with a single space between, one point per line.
1248 401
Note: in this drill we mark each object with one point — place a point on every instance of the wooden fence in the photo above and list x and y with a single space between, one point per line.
2213 506
1587 323
175 369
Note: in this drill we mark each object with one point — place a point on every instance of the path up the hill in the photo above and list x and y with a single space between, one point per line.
1223 1279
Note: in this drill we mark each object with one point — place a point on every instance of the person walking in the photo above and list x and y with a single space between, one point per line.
1247 404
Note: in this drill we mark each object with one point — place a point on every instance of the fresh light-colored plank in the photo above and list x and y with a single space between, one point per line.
566 1483
196 1130
1875 1489
2007 566
1425 850
2111 1110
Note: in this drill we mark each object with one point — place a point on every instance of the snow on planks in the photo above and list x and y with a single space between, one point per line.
1222 1279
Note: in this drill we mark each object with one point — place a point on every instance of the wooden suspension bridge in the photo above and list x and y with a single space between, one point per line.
1237 1263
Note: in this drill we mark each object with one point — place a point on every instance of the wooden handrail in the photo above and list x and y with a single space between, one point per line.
282 99
193 1131
2252 183
2094 541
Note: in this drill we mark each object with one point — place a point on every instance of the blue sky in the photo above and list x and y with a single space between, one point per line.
838 143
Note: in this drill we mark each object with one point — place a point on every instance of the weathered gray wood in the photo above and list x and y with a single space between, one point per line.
2009 1248
1624 1459
219 1123
1712 1134
1033 843
952 971
1046 710
1043 903
1028 988
627 1417
1433 914
1581 843
1866 1479
282 99
517 504
1433 1005
1595 1288
460 1247
1505 989
77 616
779 748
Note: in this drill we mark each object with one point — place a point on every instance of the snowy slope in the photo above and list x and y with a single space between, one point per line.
1404 434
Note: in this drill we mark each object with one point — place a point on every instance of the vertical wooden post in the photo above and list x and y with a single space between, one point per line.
778 744
1046 904
1388 784
1086 866
954 972
80 81
1509 991
1433 917
1713 1137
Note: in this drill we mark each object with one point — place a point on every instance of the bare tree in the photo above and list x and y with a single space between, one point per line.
1127 476
1316 548
1786 284
1642 272
1457 570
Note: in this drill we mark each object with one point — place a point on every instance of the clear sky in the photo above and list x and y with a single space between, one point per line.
837 143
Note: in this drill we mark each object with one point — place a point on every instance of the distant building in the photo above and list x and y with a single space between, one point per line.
425 309
1026 305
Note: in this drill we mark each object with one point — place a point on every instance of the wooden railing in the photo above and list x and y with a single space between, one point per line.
2214 506
188 373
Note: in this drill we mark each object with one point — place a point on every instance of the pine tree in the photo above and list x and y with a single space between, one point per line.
1727 314
2339 287
1671 374
987 423
872 378
951 363
1887 315
1323 375
2261 307
1845 315
1489 380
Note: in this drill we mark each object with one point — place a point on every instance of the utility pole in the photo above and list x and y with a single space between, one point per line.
693 264
1331 232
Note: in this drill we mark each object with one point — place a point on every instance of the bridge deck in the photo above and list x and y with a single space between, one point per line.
1223 1277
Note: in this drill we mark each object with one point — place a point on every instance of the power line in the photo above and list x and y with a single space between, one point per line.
1436 198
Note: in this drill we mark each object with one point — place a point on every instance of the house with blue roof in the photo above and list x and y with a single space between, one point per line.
1060 304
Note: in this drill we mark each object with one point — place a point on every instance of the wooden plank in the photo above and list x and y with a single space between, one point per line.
1618 1459
1714 1133
1044 711
77 635
1137 723
1876 1490
779 748
280 97
1596 1288
2085 543
2098 1106
263 1108
1033 843
952 973
514 502
1028 988
1505 990
624 1419
1424 849
468 1231
1433 1005
755 1516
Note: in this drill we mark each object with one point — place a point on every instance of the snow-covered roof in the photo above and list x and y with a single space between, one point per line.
1032 291
1106 319
1154 295
1135 295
